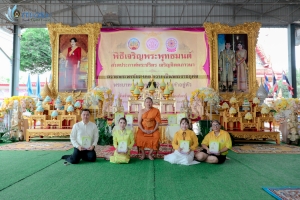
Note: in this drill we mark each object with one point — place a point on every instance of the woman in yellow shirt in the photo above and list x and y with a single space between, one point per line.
122 137
185 142
212 153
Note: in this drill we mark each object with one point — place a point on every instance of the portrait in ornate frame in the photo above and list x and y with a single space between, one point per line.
87 38
247 34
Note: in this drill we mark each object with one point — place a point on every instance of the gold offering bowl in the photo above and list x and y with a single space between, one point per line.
136 96
166 96
141 88
152 92
132 91
162 88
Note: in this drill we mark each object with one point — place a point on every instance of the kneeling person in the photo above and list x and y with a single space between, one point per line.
84 137
123 142
220 140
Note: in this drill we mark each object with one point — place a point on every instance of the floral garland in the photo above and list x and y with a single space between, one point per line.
26 103
283 104
206 94
100 92
284 107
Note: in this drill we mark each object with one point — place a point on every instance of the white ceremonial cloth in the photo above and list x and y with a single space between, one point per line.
182 159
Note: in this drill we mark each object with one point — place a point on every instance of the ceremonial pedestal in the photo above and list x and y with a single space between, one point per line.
167 106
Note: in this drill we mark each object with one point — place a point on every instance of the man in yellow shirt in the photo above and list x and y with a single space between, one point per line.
215 145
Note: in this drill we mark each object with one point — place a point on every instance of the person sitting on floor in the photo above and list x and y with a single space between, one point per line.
84 137
148 134
123 141
183 155
219 137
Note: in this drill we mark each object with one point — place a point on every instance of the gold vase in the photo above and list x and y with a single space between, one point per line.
166 96
151 92
141 88
136 96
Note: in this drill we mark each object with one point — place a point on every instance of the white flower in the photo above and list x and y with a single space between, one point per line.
225 105
232 110
264 105
232 100
248 116
265 110
256 100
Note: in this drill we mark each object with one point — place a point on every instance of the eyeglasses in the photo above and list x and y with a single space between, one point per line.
215 125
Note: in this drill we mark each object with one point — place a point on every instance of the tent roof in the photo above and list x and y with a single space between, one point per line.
271 13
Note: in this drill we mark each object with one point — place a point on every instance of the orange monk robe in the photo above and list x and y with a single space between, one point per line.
149 120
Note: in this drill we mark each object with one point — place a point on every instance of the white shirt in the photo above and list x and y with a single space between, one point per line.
87 132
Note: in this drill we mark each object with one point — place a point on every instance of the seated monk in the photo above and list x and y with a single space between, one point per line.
148 133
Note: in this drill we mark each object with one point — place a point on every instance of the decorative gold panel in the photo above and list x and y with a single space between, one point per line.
55 30
252 30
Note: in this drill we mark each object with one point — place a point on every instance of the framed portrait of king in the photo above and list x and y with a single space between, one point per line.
73 56
233 58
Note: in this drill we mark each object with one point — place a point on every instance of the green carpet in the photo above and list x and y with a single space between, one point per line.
25 175
18 165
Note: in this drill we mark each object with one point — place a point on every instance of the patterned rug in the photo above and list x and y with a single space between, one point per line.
267 148
284 193
106 151
40 146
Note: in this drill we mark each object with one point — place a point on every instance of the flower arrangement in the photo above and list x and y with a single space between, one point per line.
47 100
40 110
58 103
100 92
39 103
206 94
265 110
232 100
77 104
69 100
26 103
225 105
70 109
256 101
232 111
54 114
248 116
2 114
264 105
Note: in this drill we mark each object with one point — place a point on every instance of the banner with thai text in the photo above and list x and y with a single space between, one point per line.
177 55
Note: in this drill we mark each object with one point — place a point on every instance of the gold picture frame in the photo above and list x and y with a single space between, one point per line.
251 29
92 33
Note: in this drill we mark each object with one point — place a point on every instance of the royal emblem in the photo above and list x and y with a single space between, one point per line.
133 44
152 44
171 44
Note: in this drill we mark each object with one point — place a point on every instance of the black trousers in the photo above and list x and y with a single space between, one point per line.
86 155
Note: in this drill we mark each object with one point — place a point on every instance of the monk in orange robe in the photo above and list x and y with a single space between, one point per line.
148 134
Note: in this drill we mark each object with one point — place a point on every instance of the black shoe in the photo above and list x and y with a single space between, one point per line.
230 88
65 157
224 88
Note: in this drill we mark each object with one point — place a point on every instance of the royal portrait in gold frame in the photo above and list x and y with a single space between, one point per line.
60 39
246 33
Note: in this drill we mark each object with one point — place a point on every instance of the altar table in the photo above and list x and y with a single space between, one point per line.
255 135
